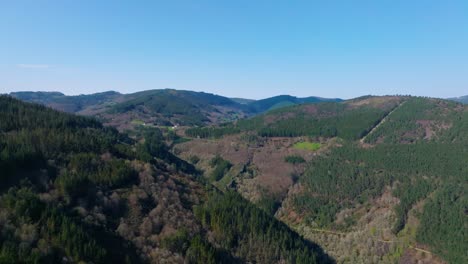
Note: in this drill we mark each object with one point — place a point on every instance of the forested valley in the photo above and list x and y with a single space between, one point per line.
367 180
74 191
405 157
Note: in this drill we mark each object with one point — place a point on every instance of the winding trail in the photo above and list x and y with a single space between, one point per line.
363 139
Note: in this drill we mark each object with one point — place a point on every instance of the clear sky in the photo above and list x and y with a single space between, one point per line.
241 48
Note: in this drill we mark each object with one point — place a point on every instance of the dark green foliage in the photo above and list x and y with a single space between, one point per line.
32 116
268 204
444 223
56 235
74 162
79 155
87 170
220 167
74 239
165 104
294 159
175 139
256 236
343 123
196 249
318 210
350 174
315 120
23 203
155 147
408 123
31 135
409 193
201 252
189 108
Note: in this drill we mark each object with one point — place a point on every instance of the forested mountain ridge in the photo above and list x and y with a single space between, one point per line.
165 107
180 107
267 104
349 120
374 179
70 104
76 191
461 99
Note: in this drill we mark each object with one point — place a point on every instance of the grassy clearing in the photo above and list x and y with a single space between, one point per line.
137 122
312 146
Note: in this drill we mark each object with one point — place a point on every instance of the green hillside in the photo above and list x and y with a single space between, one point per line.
423 119
183 107
346 120
413 150
164 107
75 191
265 105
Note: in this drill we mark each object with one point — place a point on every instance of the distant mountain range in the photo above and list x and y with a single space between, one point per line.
461 99
279 101
70 104
162 107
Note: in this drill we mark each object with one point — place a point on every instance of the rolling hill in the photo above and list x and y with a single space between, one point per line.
180 107
76 191
372 179
378 178
166 107
70 104
265 105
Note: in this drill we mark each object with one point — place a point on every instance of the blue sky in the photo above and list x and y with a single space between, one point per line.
241 48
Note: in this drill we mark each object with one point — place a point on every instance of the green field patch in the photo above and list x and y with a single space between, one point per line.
312 146
138 122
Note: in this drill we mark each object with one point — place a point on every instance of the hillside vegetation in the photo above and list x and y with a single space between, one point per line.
411 150
71 104
265 105
348 120
165 107
76 191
